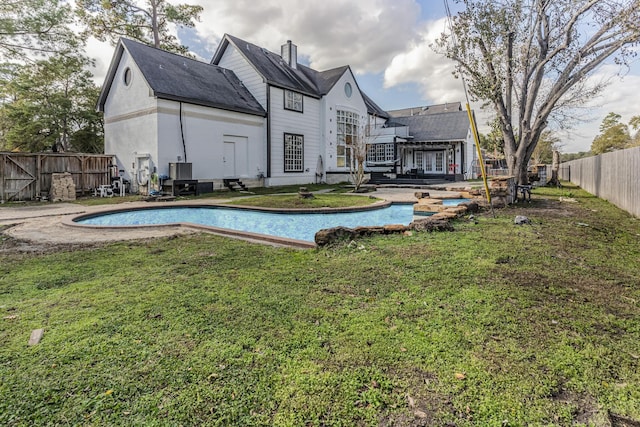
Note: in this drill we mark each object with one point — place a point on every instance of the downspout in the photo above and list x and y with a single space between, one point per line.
268 131
184 145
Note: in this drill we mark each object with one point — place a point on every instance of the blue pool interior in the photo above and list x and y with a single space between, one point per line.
299 226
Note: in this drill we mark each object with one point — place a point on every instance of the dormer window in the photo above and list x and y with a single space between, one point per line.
292 101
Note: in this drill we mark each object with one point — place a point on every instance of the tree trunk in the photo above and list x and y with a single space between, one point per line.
555 168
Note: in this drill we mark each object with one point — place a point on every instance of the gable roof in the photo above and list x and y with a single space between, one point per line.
178 78
271 66
438 127
301 79
324 80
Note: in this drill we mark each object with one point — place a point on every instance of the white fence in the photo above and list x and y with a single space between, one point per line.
611 176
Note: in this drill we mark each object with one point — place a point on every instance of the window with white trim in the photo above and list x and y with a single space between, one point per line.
429 164
293 152
439 161
380 153
420 161
347 134
292 101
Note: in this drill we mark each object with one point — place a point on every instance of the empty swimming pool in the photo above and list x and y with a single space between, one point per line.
291 225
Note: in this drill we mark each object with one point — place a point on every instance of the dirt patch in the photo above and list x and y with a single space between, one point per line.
10 245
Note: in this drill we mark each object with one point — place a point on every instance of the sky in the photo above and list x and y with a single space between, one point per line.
386 43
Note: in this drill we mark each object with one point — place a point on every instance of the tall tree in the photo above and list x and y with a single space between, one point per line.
50 105
32 27
530 58
614 135
147 21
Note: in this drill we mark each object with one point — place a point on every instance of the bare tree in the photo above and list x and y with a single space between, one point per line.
529 59
358 147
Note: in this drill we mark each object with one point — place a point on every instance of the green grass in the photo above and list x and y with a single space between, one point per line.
294 201
287 189
493 324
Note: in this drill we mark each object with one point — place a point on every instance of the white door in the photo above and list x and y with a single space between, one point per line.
229 159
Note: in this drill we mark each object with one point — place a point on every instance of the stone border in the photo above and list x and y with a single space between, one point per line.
440 221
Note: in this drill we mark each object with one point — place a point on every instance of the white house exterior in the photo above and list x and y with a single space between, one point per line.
255 116
158 110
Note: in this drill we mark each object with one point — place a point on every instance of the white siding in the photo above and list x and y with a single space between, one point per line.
307 124
336 99
205 131
130 119
234 61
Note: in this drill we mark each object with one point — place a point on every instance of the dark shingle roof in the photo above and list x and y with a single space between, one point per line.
428 109
302 79
373 108
452 126
179 78
273 68
324 80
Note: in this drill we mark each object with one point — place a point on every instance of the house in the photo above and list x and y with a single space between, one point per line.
250 115
440 142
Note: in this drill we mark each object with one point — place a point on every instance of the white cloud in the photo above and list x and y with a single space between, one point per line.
421 64
362 33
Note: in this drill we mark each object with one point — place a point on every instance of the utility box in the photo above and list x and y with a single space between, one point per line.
180 171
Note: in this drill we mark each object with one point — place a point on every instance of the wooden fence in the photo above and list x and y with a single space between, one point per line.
611 176
27 176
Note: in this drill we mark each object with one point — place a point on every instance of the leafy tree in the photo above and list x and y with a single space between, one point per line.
529 59
566 157
547 144
493 141
614 135
147 22
32 27
51 106
634 123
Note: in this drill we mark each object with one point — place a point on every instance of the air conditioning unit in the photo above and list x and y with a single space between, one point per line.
180 170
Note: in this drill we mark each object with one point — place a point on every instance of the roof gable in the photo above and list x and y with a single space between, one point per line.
175 77
270 66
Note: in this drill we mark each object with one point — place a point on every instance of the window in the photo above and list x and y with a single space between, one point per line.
347 123
429 163
439 161
420 161
293 152
292 101
127 77
380 153
348 90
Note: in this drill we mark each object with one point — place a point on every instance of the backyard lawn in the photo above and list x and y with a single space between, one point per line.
492 324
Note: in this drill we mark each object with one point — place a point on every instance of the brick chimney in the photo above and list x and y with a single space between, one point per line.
289 53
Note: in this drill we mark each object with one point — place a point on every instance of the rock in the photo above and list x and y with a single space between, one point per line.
430 224
331 235
521 219
394 228
445 215
471 206
36 336
421 195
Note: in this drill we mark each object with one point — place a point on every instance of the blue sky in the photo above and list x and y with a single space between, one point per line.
386 43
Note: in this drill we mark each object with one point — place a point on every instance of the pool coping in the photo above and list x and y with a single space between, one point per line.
227 232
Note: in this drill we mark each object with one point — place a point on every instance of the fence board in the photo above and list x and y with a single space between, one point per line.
611 176
24 176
